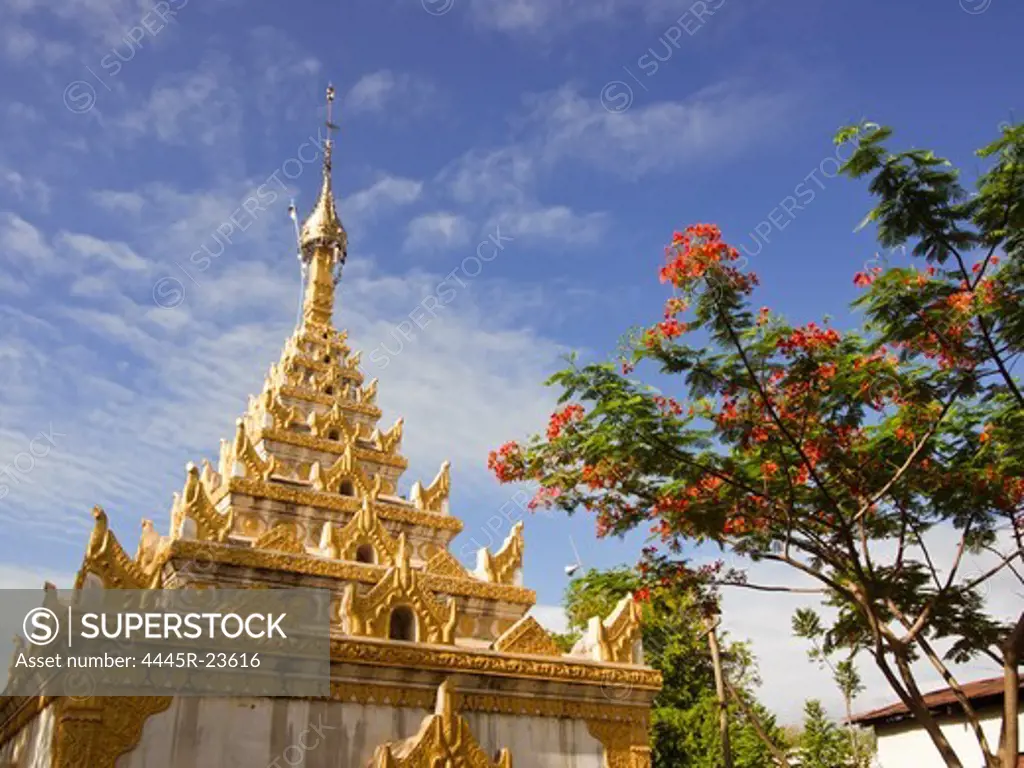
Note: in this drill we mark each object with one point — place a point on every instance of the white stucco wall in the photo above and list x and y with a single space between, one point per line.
254 733
30 748
909 745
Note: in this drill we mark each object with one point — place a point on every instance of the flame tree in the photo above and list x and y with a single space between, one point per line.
842 455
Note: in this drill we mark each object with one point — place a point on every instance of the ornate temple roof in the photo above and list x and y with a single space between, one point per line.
306 493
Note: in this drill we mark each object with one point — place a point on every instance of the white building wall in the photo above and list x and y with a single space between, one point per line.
294 733
30 748
907 744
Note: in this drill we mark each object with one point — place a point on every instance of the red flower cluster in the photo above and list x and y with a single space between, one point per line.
507 462
810 338
668 406
864 279
560 419
692 252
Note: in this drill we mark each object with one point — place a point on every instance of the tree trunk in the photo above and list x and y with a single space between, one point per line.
1013 649
723 704
915 703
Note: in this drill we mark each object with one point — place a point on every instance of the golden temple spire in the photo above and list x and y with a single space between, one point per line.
323 243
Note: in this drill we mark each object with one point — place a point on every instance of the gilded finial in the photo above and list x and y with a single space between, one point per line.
323 229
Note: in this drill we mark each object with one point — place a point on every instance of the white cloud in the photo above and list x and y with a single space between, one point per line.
557 223
547 17
436 231
386 192
713 123
482 176
118 202
21 241
193 107
32 191
378 90
535 16
113 254
21 45
21 112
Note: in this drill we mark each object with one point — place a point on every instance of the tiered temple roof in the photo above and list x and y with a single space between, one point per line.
305 494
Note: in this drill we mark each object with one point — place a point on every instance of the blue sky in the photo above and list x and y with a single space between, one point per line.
131 131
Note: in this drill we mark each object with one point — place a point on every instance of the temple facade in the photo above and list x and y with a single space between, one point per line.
433 665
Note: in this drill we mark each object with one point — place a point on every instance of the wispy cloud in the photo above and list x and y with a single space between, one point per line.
557 223
436 231
717 122
384 194
383 89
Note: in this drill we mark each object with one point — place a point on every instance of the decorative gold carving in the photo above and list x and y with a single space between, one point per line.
443 563
368 394
106 559
434 497
321 336
390 441
364 528
527 636
625 743
369 615
344 469
269 411
372 692
194 504
458 659
505 566
322 424
209 477
241 459
502 703
616 639
623 632
330 446
283 537
310 498
313 396
148 551
246 557
443 741
94 731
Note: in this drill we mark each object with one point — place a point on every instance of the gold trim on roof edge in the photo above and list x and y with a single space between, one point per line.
310 565
312 396
506 564
563 669
106 558
195 504
243 451
300 440
434 497
310 498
